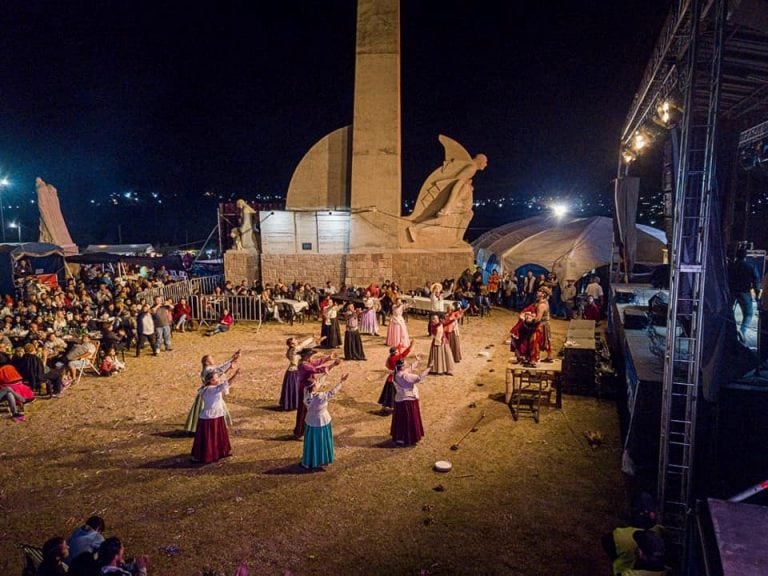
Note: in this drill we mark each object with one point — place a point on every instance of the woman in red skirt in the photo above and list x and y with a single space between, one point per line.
211 437
407 428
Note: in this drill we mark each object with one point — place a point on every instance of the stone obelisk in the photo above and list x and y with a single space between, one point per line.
376 197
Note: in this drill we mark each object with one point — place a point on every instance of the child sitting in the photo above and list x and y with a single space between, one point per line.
111 365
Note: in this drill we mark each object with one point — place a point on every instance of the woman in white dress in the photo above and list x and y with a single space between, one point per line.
397 334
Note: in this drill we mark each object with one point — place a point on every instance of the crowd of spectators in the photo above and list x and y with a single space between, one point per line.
48 333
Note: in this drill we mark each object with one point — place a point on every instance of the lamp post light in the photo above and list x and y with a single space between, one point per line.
4 183
16 225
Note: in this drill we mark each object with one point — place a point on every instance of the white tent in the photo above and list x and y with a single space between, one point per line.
570 248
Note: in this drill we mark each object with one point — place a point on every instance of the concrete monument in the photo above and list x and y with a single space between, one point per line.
343 219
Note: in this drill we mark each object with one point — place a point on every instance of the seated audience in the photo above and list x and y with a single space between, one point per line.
79 355
112 560
55 551
87 538
225 323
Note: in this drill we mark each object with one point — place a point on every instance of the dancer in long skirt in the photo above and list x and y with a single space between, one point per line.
318 432
290 392
397 333
387 396
330 327
452 333
440 355
436 302
209 365
212 437
407 428
369 323
353 344
310 367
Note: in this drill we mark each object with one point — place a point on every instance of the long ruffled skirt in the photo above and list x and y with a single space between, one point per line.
353 346
211 440
454 342
289 393
397 333
441 359
332 334
387 396
318 446
368 323
406 426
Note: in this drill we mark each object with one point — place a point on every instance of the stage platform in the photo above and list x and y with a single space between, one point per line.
734 426
739 531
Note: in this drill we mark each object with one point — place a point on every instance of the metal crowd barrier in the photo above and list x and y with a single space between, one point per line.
207 309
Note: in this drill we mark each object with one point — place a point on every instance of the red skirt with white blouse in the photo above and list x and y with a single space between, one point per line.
211 440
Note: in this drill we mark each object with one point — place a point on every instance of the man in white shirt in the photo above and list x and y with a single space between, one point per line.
595 290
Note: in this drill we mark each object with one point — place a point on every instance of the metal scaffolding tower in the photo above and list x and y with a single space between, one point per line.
688 256
686 64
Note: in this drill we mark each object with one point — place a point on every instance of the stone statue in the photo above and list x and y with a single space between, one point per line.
244 237
236 239
445 199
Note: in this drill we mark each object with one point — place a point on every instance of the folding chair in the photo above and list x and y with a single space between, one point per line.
90 362
31 558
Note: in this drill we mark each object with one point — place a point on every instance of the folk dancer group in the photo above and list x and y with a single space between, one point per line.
305 377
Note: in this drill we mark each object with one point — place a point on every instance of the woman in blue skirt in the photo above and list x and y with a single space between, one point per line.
318 432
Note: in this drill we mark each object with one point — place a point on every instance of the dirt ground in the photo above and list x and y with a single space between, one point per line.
522 498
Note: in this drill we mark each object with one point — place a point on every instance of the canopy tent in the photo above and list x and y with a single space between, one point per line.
43 259
121 249
170 262
570 248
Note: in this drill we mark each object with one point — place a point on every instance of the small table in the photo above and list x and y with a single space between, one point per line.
526 386
297 305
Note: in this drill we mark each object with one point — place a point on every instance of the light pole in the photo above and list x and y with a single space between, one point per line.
16 225
3 184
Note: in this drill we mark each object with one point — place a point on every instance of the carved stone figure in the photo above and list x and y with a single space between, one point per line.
445 199
244 236
236 239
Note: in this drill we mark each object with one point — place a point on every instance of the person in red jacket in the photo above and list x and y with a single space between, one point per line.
182 313
225 323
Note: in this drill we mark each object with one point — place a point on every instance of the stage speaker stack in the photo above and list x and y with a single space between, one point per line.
579 358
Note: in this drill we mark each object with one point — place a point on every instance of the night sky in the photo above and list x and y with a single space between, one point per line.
184 105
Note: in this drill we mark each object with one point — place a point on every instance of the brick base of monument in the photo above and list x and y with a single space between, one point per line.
241 265
409 269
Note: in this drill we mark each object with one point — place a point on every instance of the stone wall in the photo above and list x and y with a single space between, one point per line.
313 268
413 269
410 269
241 265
